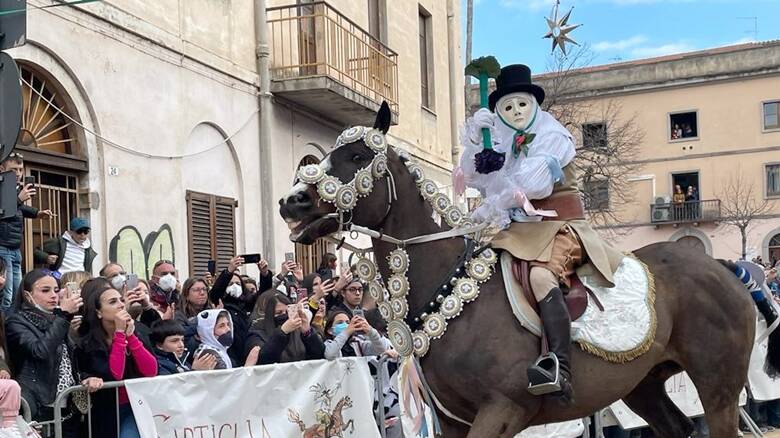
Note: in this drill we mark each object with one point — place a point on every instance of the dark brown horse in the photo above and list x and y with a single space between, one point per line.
706 323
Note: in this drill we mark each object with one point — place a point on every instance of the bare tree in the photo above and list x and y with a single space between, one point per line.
606 156
741 204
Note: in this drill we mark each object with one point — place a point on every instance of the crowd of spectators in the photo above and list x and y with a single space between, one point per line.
60 327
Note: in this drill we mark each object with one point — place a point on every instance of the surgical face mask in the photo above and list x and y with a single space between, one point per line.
234 290
517 110
226 339
167 282
37 306
119 282
340 327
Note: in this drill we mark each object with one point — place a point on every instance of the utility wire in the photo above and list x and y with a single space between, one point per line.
130 150
19 11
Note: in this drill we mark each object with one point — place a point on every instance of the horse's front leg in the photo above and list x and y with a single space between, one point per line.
500 417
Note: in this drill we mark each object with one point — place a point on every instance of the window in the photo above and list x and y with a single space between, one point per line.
771 117
211 230
683 125
772 180
596 195
594 136
426 49
376 20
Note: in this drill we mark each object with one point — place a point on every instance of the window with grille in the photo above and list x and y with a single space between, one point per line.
211 230
596 195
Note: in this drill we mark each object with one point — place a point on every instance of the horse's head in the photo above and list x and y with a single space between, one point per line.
325 195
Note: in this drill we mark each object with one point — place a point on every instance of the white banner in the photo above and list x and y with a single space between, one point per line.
762 387
310 398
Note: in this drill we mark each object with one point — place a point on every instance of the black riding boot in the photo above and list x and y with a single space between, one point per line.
557 327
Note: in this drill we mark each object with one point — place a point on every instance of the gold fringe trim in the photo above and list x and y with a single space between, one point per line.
642 348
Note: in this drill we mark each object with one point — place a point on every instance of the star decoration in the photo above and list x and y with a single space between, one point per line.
559 29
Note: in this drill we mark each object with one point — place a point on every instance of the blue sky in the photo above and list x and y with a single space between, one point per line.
618 30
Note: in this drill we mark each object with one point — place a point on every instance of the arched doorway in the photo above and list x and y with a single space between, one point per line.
774 249
310 256
693 242
51 144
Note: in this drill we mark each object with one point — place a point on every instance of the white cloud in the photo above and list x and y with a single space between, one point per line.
627 43
664 49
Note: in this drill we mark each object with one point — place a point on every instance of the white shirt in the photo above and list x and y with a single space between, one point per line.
74 254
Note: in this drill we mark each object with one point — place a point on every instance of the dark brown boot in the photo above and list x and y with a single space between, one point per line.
557 328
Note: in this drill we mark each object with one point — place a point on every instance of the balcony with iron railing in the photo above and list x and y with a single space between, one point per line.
325 62
689 212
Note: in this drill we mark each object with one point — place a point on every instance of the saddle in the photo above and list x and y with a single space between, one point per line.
576 296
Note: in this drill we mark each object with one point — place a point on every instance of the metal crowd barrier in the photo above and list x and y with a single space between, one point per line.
379 413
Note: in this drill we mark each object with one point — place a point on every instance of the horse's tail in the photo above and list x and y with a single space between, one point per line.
764 305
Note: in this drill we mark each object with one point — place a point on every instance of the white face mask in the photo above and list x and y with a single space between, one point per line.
234 290
517 110
119 282
167 283
36 305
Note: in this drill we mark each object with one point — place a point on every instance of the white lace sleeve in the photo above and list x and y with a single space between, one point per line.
537 174
473 178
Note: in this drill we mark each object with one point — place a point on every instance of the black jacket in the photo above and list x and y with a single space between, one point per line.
167 363
274 345
57 246
36 341
239 309
12 229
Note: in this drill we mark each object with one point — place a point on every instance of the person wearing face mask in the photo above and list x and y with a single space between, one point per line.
168 339
230 291
353 337
285 335
215 332
110 351
164 285
43 355
70 252
530 196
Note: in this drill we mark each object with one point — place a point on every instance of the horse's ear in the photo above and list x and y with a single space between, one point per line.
383 118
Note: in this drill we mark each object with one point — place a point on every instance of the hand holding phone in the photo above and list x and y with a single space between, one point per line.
132 281
73 288
359 313
289 256
292 311
251 258
303 294
29 180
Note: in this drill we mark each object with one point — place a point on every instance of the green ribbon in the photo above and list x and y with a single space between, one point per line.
19 11
520 133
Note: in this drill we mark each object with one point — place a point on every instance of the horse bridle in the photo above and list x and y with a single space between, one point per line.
344 197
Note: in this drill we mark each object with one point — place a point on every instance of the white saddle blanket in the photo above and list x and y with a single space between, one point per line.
622 332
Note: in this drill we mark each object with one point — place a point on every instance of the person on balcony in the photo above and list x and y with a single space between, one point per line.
678 203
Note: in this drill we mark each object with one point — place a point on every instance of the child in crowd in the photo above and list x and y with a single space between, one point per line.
168 339
215 331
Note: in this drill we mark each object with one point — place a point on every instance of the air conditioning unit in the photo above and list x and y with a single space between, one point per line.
661 214
665 199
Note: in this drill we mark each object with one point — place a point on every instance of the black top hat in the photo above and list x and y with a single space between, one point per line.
515 78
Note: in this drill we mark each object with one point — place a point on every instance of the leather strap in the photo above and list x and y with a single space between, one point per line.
569 206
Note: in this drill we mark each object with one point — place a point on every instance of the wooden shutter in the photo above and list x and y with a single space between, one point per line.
211 230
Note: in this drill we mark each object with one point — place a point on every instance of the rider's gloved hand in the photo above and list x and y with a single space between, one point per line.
483 118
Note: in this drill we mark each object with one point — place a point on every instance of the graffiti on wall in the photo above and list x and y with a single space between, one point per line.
138 255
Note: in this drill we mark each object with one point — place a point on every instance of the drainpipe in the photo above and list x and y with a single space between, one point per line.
456 79
267 204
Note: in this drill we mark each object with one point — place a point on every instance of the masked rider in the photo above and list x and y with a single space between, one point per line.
532 195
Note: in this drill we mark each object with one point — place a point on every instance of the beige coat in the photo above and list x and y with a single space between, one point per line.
533 241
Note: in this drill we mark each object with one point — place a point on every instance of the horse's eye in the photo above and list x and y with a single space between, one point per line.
357 157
